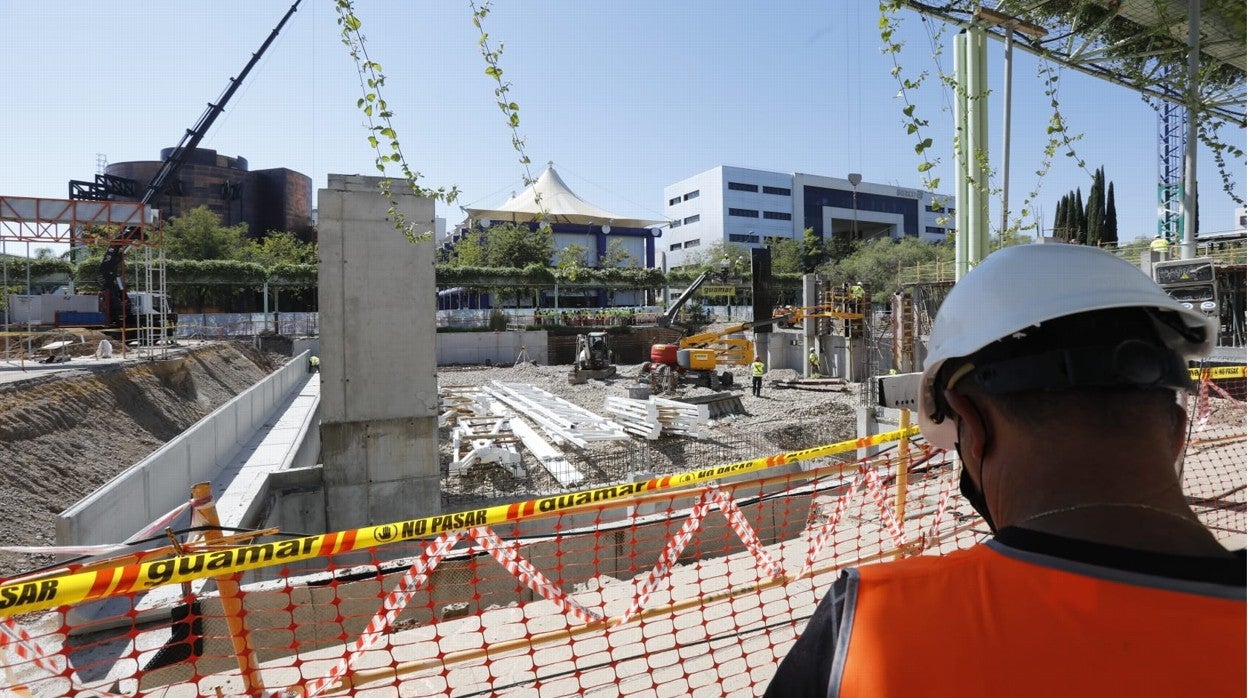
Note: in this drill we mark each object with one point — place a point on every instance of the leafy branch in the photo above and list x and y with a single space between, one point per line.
1208 134
382 137
888 24
502 91
1056 132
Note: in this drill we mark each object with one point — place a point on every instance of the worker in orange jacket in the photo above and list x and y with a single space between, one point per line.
1052 372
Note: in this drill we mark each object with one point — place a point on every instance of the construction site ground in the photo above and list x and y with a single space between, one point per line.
68 428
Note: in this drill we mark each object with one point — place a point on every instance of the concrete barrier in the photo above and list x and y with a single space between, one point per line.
162 481
490 347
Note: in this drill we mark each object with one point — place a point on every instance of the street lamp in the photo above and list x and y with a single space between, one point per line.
854 180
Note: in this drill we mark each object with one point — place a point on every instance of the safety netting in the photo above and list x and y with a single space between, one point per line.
695 583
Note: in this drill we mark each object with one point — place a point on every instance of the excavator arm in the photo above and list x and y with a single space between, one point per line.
666 319
728 350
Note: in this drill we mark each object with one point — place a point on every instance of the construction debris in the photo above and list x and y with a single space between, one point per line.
485 440
720 405
563 421
657 416
487 431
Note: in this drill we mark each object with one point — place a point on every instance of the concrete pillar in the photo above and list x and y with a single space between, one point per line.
379 390
810 297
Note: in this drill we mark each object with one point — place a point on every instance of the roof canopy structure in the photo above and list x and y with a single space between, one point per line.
550 196
1140 44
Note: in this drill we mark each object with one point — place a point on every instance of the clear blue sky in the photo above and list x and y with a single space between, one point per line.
625 98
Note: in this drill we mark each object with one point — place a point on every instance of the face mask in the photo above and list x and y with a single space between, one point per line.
974 496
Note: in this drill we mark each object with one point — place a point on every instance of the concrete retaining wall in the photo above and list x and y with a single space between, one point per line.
490 347
162 481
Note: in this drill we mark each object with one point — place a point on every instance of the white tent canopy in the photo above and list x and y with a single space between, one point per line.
560 204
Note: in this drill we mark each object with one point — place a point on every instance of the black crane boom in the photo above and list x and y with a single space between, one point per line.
112 284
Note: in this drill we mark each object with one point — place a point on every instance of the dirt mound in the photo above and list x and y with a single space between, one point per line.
61 438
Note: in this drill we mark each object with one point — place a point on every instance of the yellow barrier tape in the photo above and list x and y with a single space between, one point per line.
24 597
1217 372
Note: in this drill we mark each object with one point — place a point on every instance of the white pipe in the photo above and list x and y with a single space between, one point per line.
1005 129
1188 249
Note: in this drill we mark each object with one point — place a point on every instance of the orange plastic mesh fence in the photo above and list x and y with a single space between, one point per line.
692 584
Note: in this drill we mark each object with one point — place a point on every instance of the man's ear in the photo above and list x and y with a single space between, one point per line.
974 436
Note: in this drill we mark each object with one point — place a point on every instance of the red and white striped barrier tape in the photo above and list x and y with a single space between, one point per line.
15 639
671 553
820 540
736 519
1202 406
391 607
941 506
508 555
887 516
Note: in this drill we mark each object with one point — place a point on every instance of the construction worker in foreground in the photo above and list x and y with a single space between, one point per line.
813 360
314 364
1160 247
1052 372
757 369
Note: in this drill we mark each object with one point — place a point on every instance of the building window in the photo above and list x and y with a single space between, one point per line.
691 195
778 191
673 247
743 212
777 216
935 231
739 237
773 239
673 202
741 186
693 219
692 243
676 223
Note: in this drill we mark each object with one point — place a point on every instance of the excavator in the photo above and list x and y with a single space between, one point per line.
593 359
128 309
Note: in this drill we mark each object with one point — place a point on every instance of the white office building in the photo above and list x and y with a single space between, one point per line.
754 207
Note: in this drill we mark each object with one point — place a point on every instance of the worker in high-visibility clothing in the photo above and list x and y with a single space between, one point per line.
1059 399
757 369
813 360
314 364
1160 247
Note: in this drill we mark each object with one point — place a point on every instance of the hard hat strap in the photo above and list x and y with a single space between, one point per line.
1129 364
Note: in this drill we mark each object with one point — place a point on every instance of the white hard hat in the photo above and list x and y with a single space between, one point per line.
1022 286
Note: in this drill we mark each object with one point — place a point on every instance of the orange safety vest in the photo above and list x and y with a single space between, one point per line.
997 621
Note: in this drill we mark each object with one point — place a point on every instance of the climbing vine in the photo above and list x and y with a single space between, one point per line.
889 23
1207 132
502 94
378 114
1058 136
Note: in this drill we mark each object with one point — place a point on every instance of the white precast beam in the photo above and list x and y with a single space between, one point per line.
550 458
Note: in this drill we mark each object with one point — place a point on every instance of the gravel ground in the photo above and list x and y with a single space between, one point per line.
782 419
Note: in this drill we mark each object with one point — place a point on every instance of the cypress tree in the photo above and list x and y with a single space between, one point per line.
1094 214
1057 218
1111 217
1080 221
